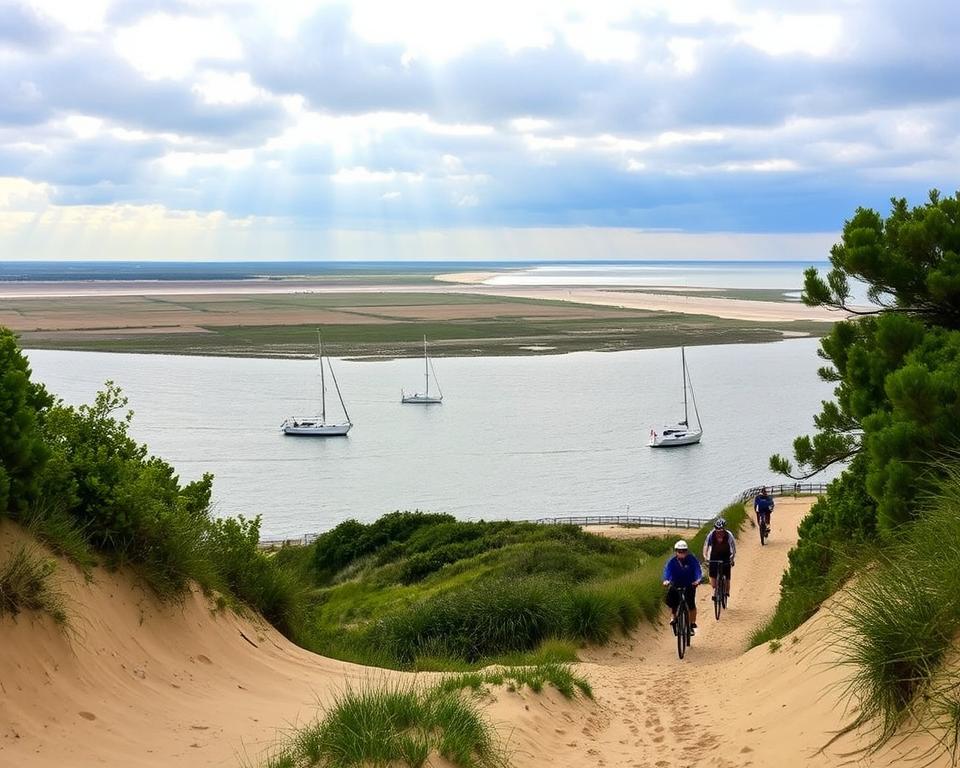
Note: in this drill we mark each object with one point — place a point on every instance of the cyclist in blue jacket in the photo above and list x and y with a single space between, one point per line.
763 506
682 570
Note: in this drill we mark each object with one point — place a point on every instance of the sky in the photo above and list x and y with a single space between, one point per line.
445 130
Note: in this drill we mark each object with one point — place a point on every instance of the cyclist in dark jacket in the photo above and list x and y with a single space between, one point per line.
763 505
719 550
682 570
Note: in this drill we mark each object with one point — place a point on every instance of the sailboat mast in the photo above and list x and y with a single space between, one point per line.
426 370
323 384
683 358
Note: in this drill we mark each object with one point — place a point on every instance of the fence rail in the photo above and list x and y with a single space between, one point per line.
651 521
785 489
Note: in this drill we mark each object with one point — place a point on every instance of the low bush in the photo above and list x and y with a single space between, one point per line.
259 581
483 619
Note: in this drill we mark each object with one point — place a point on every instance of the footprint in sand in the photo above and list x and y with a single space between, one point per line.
87 715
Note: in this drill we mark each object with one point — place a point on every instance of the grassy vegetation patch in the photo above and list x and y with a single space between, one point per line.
27 584
416 590
534 677
393 726
899 627
425 591
400 725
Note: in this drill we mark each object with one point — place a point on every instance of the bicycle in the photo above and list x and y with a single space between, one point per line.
764 526
720 591
682 625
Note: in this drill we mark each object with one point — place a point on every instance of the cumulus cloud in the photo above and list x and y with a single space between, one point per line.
749 116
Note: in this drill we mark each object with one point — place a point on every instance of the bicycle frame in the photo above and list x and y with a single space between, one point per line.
683 629
763 523
720 590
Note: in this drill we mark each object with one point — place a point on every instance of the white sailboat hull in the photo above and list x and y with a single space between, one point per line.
421 399
685 437
313 427
425 398
679 433
317 426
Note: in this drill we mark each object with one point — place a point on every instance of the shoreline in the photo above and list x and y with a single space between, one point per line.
383 320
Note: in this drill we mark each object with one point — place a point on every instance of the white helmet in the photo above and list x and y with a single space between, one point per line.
681 545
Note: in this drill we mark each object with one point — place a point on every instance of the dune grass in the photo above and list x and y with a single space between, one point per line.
534 677
27 584
52 525
420 591
393 724
426 592
897 629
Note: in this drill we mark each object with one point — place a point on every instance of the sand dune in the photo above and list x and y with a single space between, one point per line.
136 683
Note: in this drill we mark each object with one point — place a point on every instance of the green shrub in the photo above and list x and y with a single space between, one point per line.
253 577
835 538
351 540
23 452
482 619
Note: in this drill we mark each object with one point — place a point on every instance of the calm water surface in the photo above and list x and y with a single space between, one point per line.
516 437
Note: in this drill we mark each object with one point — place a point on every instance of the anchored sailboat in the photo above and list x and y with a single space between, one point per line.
317 426
425 398
680 433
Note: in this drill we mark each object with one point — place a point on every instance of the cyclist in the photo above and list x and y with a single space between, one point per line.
682 570
720 549
763 506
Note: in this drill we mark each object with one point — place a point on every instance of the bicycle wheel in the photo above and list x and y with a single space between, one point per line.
723 590
683 621
718 598
763 532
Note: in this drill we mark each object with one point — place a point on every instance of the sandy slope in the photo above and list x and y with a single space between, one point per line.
139 684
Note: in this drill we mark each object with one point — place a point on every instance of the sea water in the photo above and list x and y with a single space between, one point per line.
515 438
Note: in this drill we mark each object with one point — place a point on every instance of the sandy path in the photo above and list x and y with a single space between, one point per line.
654 710
660 707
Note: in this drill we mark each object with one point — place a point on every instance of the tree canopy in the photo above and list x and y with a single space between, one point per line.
23 453
896 363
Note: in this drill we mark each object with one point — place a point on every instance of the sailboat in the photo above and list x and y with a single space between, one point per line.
425 398
317 426
680 433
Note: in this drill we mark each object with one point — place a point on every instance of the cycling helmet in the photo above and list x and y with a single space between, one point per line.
681 545
719 523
